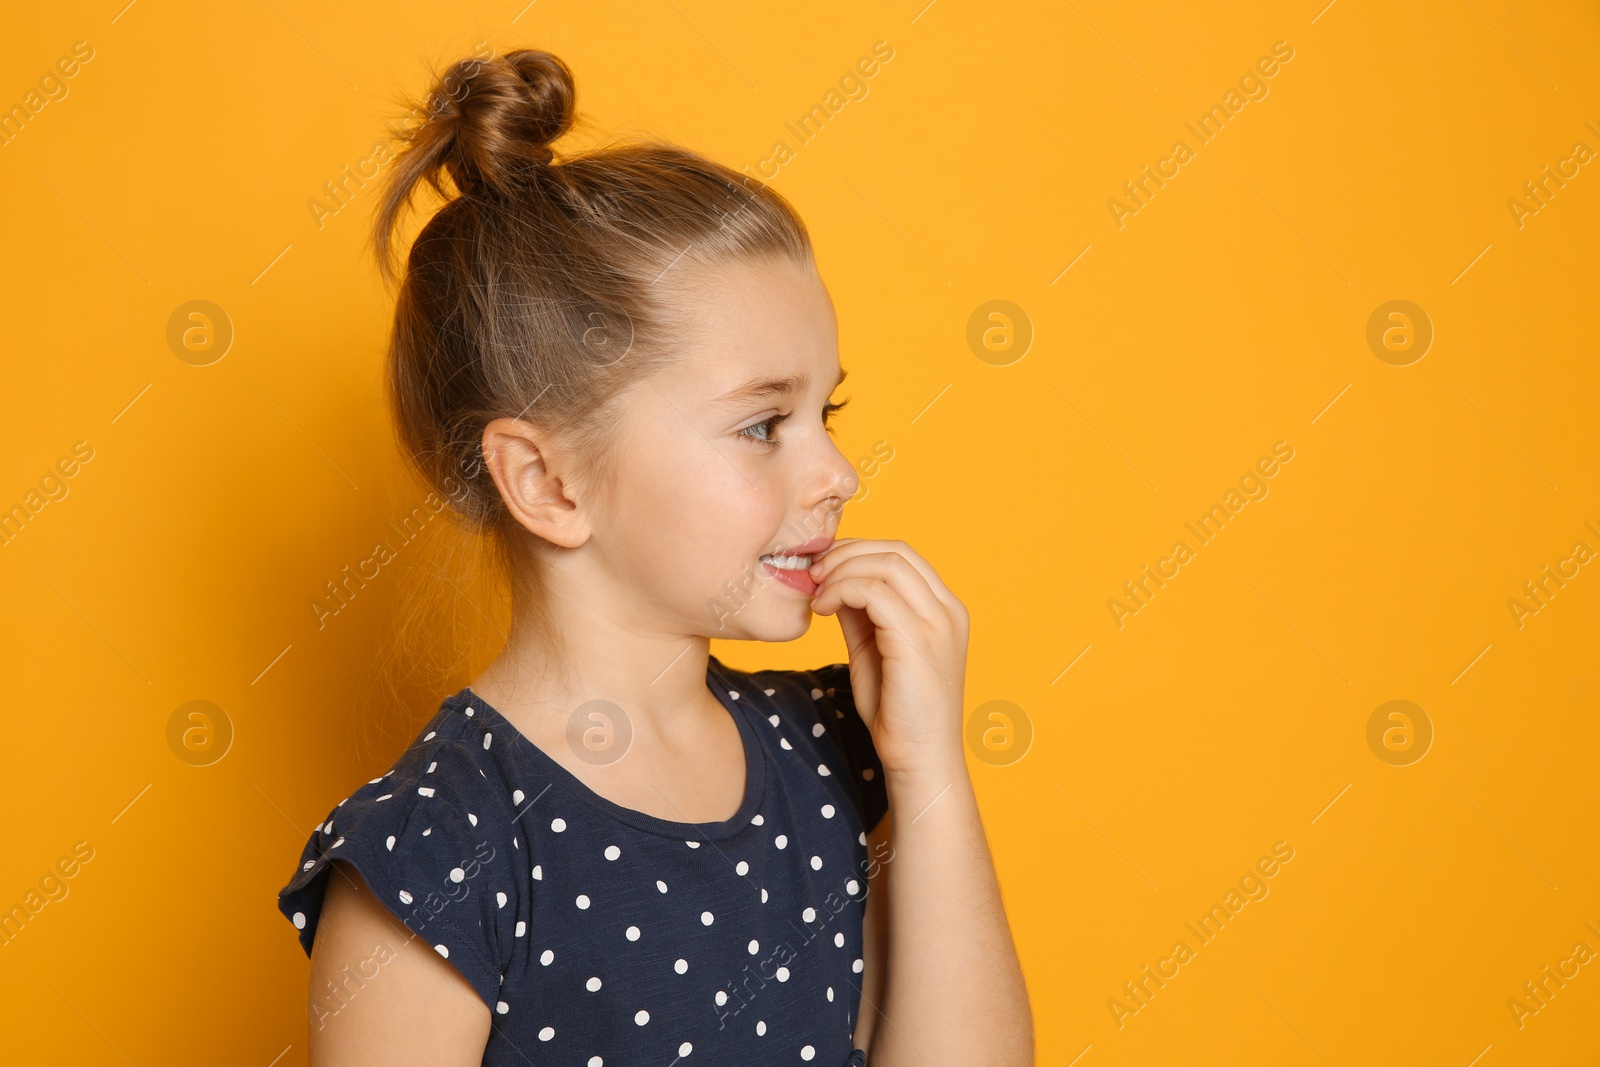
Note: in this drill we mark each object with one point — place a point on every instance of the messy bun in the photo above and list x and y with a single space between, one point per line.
542 289
490 127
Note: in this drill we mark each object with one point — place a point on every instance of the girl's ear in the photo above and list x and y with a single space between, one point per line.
523 465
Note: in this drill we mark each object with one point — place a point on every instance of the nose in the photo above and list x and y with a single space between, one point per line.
839 478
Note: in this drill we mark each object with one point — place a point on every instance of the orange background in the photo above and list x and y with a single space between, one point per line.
1229 313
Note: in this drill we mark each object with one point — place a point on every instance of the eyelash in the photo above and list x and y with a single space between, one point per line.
828 411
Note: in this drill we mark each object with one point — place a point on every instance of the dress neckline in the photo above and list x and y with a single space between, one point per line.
722 685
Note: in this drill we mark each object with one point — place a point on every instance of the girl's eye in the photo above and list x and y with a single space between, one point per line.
764 429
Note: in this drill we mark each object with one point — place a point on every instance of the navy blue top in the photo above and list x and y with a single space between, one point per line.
597 934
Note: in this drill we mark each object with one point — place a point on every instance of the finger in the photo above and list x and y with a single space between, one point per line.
895 570
883 605
846 548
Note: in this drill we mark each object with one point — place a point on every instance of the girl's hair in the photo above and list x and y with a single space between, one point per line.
545 286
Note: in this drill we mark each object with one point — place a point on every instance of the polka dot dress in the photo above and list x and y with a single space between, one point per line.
597 934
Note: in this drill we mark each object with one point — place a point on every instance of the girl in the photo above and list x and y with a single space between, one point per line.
611 847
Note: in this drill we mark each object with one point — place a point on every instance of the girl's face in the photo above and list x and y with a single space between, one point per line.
721 464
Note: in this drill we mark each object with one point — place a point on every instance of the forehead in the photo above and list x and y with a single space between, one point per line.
756 319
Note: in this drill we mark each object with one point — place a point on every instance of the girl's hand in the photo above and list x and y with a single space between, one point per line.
907 636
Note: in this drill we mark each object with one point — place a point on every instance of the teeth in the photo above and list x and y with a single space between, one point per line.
788 563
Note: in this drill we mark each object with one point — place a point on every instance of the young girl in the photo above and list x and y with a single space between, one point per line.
611 848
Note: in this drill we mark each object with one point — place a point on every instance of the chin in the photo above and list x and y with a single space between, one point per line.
771 626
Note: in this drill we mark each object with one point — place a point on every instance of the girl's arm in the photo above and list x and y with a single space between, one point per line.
954 991
416 1010
953 987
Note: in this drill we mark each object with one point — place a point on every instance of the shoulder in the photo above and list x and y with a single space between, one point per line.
435 838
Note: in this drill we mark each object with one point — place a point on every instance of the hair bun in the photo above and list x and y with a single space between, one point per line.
503 115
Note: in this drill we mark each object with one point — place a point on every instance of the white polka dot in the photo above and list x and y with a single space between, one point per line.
827 811
838 939
782 840
757 819
299 920
685 1048
862 837
769 692
500 899
538 872
818 730
405 897
592 984
430 736
806 1052
517 795
633 933
754 946
784 743
783 974
558 825
692 844
428 831
308 864
706 918
486 739
547 1033
773 719
868 774
441 950
809 915
502 1007
763 896
642 1017
822 769
583 900
612 852
761 1027
661 885
425 790
733 694
473 819
856 966
816 694
549 954
596 1061
682 966
851 886
457 874
522 928
389 844
469 713
742 868
830 993
327 827
816 863
721 998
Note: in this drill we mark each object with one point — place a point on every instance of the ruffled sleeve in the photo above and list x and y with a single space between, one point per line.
837 709
432 841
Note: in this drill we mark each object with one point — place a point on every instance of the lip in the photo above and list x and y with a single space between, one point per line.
811 548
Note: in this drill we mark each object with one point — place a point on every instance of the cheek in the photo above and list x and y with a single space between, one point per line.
711 511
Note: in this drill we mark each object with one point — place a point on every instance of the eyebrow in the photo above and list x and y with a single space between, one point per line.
762 388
